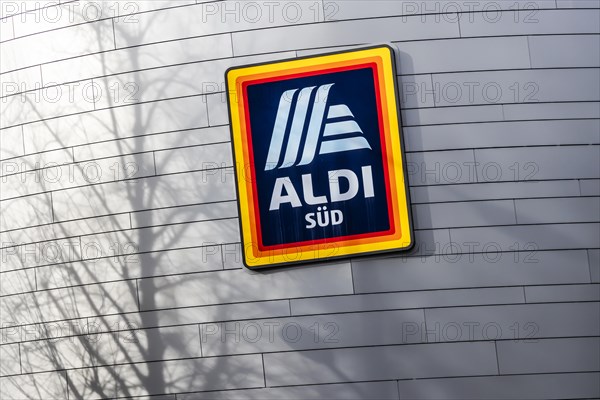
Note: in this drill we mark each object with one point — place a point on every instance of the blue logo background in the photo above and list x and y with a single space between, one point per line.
354 88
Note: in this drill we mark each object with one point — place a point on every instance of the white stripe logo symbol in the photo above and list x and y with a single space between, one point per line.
344 124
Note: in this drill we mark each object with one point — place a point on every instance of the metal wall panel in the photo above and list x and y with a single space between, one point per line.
130 284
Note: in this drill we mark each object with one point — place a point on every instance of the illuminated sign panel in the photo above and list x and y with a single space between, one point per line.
319 163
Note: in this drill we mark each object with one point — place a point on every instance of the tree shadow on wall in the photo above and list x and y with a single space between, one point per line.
79 290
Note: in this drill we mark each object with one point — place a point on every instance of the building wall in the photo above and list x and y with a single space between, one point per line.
121 271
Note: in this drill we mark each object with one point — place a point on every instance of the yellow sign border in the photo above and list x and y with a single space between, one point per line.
400 239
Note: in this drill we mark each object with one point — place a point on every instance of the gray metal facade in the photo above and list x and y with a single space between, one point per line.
121 273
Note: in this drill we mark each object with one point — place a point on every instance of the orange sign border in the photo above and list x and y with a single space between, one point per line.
399 238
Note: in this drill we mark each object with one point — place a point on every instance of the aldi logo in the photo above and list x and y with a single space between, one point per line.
320 169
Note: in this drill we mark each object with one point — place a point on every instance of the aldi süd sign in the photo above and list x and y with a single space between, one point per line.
320 168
